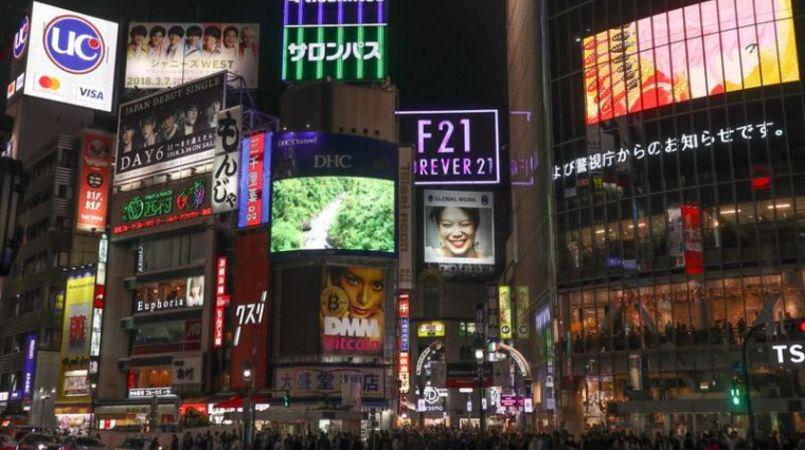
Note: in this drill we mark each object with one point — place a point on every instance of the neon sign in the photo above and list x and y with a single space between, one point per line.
164 207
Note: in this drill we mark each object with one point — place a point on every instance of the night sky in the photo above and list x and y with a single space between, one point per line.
444 53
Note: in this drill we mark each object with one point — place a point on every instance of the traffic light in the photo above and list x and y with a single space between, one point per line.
286 399
736 392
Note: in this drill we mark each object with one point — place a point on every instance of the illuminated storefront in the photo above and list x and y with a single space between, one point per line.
678 168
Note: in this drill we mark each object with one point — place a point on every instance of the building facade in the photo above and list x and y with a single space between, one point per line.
674 140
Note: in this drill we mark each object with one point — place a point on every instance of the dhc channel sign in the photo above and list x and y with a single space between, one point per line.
74 44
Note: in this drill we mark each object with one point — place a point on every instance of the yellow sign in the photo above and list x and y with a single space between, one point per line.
74 383
505 306
433 328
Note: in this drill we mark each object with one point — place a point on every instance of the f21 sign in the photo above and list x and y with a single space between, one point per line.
453 147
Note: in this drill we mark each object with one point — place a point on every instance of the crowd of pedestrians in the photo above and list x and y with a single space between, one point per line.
473 439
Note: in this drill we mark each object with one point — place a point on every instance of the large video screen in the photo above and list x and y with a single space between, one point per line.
343 213
351 314
704 49
333 192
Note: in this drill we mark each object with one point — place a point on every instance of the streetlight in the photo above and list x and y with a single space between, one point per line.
93 393
248 418
479 358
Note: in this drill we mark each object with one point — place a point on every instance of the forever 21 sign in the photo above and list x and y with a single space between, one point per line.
453 147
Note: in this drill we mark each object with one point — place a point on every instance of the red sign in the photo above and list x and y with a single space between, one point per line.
691 227
94 181
404 306
221 301
255 188
250 280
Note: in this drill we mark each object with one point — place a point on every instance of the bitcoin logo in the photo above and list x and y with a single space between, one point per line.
334 302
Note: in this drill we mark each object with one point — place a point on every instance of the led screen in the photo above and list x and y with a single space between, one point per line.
700 50
343 213
333 192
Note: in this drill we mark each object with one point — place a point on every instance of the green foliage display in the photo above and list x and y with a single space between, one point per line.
364 220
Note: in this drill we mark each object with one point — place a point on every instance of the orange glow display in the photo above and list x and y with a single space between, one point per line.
704 49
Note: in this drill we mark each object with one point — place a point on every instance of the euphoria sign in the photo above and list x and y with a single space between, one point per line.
453 147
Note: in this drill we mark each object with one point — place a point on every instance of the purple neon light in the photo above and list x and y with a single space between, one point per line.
380 17
321 13
300 15
463 111
287 12
360 12
340 12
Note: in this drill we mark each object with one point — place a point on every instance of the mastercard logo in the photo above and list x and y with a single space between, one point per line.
47 82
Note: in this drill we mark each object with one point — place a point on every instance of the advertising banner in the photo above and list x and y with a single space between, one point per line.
434 328
169 130
405 221
94 181
166 54
523 302
704 49
162 205
75 342
505 310
314 382
29 364
342 40
71 58
351 315
251 300
467 374
691 226
226 167
453 147
170 295
16 80
255 180
459 227
333 192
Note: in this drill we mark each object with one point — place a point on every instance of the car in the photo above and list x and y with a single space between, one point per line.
82 443
39 441
132 444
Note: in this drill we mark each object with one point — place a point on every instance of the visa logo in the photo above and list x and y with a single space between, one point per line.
90 93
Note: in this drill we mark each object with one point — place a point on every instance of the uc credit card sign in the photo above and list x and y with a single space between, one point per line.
71 58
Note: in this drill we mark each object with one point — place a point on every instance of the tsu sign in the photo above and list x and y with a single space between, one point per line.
794 353
453 147
72 58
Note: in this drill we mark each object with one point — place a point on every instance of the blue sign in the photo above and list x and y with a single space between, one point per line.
318 154
254 190
404 332
74 44
29 364
21 38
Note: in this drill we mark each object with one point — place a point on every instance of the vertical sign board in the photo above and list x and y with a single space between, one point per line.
339 39
29 364
453 147
404 369
251 300
255 180
221 302
16 81
522 305
227 160
405 211
505 305
691 227
492 317
74 385
94 181
71 58
99 301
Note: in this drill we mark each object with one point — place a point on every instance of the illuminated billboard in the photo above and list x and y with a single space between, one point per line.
71 58
162 55
704 49
343 40
169 295
76 336
453 147
333 192
161 205
255 180
94 181
459 227
351 314
169 130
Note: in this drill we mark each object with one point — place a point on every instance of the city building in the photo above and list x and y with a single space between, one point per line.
672 137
